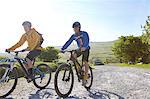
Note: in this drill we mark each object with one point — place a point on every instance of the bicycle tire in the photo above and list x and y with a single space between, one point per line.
15 82
49 79
56 82
91 82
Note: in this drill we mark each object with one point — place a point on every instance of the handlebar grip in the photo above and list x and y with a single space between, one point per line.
7 51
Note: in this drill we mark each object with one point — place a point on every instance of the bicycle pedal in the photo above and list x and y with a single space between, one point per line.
67 80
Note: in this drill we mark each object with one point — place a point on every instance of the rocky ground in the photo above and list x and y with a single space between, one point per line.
110 82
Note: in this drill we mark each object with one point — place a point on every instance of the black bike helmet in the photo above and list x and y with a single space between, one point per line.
76 24
27 23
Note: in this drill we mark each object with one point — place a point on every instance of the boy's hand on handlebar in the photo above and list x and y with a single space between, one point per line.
8 51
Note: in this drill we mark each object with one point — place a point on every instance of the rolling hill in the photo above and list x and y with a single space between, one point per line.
101 50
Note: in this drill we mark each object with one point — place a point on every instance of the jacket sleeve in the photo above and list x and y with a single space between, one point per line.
86 42
21 42
68 43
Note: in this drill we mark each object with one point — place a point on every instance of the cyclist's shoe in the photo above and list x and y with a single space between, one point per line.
84 82
30 78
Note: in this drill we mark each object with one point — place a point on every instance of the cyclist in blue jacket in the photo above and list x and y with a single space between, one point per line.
82 39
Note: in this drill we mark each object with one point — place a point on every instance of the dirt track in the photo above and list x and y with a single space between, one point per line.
110 82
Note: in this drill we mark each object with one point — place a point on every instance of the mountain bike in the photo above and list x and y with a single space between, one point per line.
64 76
9 74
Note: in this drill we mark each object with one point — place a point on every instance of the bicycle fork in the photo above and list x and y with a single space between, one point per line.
64 76
5 76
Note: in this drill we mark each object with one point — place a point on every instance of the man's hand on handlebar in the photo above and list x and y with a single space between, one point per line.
82 49
71 51
62 51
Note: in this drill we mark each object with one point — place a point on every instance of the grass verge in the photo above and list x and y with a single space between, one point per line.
147 66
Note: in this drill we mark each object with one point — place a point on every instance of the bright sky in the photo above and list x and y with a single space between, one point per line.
104 20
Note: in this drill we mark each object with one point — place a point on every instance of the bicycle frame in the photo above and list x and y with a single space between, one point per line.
21 62
78 67
8 69
5 77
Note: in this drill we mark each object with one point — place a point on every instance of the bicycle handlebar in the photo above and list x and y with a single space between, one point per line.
70 51
16 52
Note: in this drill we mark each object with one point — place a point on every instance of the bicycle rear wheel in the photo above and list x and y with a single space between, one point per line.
42 76
64 80
8 84
90 79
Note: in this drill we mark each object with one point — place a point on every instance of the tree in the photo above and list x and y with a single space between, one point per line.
134 49
146 39
146 31
117 48
129 49
49 54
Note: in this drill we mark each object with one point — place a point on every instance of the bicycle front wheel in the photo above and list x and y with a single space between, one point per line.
42 76
9 82
64 80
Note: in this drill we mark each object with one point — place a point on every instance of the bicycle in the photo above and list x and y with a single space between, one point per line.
64 75
9 74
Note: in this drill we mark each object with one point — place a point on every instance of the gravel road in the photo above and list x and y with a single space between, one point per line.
110 82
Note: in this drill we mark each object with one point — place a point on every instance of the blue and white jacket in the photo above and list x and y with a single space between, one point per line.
85 39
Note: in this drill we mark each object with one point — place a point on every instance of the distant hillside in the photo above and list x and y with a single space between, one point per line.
102 50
